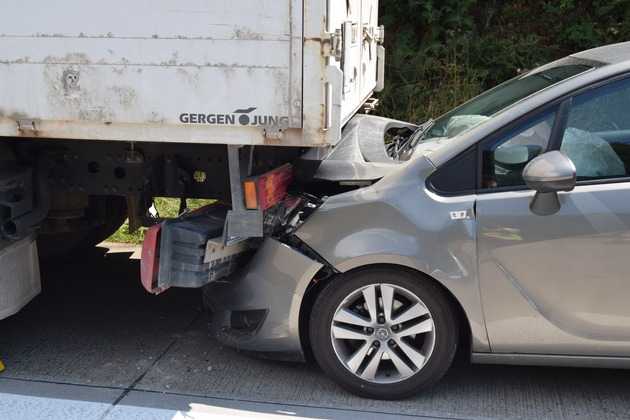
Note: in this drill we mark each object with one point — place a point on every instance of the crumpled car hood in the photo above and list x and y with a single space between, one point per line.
361 154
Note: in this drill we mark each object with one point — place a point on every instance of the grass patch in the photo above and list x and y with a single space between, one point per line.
167 208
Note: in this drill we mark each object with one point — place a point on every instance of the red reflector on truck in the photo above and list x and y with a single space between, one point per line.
267 190
150 264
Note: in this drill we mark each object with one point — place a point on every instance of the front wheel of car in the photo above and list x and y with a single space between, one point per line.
384 333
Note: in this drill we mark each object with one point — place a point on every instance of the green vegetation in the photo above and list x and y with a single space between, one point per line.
167 207
442 52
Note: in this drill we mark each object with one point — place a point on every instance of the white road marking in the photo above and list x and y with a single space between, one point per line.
139 405
20 407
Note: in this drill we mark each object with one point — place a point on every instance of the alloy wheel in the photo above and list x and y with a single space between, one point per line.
383 333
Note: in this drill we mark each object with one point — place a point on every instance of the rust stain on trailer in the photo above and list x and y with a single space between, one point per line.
325 45
271 141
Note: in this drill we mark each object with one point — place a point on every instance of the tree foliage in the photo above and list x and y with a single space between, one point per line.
442 52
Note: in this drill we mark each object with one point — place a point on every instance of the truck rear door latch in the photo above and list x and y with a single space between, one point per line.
332 45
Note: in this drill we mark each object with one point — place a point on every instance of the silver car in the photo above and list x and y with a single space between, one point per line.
501 230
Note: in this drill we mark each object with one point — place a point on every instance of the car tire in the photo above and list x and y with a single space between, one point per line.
337 356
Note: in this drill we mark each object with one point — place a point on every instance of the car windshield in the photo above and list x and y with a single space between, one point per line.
483 107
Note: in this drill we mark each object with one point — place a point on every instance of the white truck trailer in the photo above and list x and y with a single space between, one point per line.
106 105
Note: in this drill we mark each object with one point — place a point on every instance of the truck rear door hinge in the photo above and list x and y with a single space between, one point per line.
379 35
374 34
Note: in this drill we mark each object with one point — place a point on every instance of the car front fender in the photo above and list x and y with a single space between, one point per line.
400 222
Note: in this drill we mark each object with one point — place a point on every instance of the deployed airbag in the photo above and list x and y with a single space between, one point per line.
592 156
461 123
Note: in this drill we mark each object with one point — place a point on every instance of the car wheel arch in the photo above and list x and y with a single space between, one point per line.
319 283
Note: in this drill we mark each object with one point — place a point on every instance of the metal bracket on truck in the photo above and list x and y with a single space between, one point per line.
334 98
240 223
380 70
24 198
332 45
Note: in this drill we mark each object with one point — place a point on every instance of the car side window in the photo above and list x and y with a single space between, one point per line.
458 176
503 160
597 137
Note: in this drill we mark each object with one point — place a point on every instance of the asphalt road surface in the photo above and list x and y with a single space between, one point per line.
94 345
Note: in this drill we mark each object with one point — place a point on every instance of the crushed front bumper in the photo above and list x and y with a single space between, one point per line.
258 308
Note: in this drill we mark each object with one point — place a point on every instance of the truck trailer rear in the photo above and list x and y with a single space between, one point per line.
244 72
105 106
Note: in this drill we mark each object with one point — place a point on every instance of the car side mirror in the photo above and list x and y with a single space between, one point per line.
549 174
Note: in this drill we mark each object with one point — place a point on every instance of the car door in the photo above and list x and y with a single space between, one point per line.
560 284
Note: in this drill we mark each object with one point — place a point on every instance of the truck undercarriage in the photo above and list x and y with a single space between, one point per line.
78 193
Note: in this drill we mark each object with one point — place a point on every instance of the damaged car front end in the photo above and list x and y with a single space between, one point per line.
258 309
263 307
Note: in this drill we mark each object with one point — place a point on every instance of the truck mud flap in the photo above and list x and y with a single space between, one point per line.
189 251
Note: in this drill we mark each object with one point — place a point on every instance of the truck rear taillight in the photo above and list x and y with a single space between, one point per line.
267 190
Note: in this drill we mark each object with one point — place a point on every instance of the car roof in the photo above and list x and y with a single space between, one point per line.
609 54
